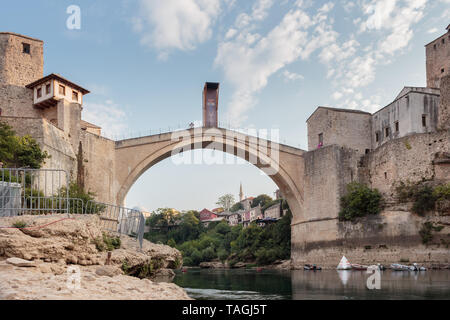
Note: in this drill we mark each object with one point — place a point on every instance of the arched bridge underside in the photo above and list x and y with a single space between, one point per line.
283 164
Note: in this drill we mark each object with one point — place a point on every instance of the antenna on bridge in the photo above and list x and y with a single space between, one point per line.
210 104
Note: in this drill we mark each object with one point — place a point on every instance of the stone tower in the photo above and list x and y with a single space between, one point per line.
241 193
21 59
444 108
438 59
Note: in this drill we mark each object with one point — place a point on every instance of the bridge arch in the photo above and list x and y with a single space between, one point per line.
136 156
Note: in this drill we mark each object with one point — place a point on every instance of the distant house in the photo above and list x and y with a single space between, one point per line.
273 212
205 214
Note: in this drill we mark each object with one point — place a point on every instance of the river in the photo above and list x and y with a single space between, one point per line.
248 284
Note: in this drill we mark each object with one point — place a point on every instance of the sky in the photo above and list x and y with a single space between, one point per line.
146 61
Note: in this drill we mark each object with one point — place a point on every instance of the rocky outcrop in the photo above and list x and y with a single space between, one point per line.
41 257
42 283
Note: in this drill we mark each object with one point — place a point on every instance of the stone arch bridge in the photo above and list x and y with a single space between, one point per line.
283 164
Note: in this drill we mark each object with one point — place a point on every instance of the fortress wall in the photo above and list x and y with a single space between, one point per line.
444 108
96 166
17 101
327 172
384 238
408 158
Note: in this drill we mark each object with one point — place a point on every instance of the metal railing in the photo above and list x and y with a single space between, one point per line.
119 219
33 191
45 192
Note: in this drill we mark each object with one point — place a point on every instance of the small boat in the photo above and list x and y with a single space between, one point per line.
356 266
400 267
311 267
344 264
415 267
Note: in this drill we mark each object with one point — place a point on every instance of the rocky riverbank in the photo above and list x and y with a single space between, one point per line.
58 258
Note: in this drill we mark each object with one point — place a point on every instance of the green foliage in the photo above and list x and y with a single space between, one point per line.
360 201
107 242
423 196
442 192
219 241
125 266
74 191
236 207
19 152
226 201
262 200
171 243
20 224
424 201
426 232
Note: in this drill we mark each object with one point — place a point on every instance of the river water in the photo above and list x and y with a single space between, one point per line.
248 284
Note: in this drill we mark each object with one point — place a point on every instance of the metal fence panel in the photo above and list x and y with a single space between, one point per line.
118 219
33 191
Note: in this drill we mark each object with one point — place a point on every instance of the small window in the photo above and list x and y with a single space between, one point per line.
367 151
321 138
424 121
74 95
442 70
385 175
386 131
443 40
62 90
434 47
377 136
47 88
397 127
39 92
26 48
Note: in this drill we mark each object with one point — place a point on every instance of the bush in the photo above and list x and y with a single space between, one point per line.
424 197
171 243
424 200
107 243
426 232
266 256
360 201
222 254
208 254
20 224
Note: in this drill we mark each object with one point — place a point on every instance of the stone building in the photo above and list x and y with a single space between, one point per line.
438 59
274 212
49 108
414 110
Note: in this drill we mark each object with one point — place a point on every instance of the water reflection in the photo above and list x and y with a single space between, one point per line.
301 285
332 284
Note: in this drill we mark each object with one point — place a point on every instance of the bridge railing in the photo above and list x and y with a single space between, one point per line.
179 127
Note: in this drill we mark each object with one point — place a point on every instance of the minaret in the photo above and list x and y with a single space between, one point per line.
241 194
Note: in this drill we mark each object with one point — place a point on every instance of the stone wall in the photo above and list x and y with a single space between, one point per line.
348 128
17 101
444 108
328 170
96 162
408 158
16 67
323 239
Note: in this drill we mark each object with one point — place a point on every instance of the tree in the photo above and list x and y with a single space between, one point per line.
226 201
236 207
19 152
262 200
